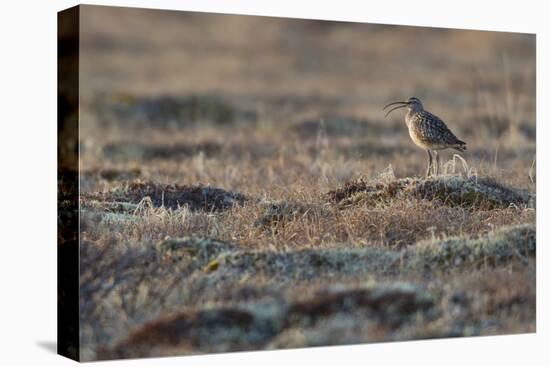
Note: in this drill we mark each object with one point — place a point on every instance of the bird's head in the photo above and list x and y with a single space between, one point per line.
412 104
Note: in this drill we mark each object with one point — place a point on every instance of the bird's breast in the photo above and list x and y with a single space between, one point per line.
416 131
416 137
409 119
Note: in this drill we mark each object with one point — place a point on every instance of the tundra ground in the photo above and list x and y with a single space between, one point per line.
241 189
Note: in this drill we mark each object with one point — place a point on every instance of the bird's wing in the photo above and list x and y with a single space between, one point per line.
435 130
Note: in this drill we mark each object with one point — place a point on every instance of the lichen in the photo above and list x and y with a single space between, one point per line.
499 248
198 197
197 251
473 192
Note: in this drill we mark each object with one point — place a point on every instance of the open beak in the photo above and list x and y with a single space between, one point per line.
400 105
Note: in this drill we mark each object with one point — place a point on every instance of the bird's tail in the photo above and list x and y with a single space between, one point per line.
460 146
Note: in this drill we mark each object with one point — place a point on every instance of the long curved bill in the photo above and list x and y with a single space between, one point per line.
399 103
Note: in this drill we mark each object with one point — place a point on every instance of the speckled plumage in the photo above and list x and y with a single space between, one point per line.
428 131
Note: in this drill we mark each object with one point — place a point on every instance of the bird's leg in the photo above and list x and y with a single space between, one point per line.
428 171
436 168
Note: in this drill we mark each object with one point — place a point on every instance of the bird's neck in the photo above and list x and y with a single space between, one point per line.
410 116
413 110
410 113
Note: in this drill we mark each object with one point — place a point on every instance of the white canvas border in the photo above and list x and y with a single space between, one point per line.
28 181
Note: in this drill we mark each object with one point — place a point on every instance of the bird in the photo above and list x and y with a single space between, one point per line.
427 131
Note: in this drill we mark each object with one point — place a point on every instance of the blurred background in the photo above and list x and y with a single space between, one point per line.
186 96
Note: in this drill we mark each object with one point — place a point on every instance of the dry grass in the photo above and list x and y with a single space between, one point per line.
239 195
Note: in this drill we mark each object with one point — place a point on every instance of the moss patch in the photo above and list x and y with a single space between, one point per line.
172 196
514 243
242 328
197 251
499 248
279 212
449 190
